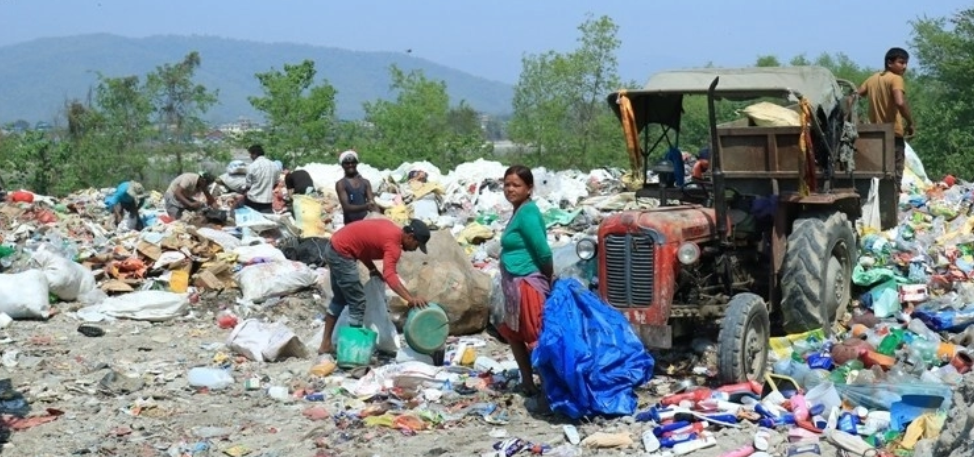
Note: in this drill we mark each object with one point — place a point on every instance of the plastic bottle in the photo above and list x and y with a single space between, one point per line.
687 447
784 419
740 452
934 352
799 408
210 378
891 342
677 439
848 422
667 428
650 442
279 393
694 396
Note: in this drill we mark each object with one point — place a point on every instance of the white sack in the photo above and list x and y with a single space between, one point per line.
65 278
247 254
377 318
143 305
266 280
265 342
24 295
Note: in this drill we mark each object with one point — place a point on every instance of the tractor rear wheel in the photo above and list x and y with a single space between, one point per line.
817 273
743 340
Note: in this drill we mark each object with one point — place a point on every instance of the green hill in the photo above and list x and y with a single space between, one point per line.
38 76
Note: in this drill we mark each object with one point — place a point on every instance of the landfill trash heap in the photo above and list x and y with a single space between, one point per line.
884 379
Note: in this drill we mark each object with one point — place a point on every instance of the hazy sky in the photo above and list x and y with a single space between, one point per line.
488 38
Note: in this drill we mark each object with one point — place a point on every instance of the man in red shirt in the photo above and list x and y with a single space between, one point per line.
366 241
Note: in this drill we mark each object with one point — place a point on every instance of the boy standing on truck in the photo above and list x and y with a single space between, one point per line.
887 103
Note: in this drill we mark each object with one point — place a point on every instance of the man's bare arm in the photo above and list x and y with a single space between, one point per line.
899 97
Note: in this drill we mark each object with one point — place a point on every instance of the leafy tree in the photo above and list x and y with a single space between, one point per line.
420 125
559 102
122 122
944 103
39 160
301 122
179 107
767 61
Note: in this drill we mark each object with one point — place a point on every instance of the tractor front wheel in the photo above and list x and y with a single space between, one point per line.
743 340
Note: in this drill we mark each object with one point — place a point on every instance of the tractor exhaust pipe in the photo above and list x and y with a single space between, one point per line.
717 171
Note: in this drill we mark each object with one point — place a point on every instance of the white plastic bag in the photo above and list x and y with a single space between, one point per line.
143 305
377 318
249 218
24 295
226 241
870 211
65 278
247 254
260 341
266 280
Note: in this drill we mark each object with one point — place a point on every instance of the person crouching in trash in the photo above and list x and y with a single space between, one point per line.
366 241
182 192
129 196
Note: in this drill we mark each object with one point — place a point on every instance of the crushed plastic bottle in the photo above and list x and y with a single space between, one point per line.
210 378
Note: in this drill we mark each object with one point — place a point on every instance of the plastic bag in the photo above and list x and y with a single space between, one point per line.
65 278
249 218
266 280
261 341
24 295
144 305
248 254
377 318
588 355
307 214
882 395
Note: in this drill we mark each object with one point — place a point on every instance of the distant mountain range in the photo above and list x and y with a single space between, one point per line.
37 77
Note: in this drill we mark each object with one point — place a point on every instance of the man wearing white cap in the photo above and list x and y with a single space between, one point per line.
354 191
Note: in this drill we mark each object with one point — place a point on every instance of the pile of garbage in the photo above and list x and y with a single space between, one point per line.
884 380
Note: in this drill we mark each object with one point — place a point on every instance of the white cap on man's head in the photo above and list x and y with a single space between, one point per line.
348 156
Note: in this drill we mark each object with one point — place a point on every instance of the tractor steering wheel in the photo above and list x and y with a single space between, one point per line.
697 191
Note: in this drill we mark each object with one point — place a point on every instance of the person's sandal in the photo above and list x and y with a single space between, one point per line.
538 405
521 390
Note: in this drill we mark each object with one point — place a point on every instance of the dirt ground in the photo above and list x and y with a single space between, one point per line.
126 394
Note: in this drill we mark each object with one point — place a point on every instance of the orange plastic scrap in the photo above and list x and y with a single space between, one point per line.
23 423
46 216
409 422
129 268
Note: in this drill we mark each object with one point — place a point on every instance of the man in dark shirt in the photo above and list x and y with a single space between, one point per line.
299 182
354 191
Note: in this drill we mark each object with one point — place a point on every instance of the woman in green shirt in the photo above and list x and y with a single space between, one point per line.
526 272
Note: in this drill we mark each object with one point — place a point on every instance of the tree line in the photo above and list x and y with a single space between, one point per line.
134 127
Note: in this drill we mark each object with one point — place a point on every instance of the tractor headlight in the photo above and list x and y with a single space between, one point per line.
586 249
688 253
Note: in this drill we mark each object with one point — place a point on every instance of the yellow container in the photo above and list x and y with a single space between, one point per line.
179 281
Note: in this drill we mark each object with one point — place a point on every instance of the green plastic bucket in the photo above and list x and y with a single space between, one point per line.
355 346
426 329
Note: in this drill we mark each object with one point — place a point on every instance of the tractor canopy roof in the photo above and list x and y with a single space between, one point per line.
661 99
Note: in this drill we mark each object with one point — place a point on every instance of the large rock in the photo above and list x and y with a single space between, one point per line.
447 278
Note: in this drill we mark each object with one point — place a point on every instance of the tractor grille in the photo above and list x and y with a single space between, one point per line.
629 269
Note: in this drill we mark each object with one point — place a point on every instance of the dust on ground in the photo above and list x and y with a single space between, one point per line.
126 394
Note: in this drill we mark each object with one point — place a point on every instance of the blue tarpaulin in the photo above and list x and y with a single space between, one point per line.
589 358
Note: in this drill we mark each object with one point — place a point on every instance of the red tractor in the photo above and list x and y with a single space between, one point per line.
765 242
